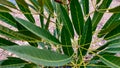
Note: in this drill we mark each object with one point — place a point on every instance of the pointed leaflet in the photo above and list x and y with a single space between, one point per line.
115 9
8 18
86 36
4 9
13 65
7 3
30 34
113 50
114 45
113 41
31 65
66 20
41 10
112 22
39 56
48 22
38 31
14 35
35 4
85 5
6 42
12 62
66 42
98 1
95 66
23 6
111 61
49 5
97 15
113 33
77 16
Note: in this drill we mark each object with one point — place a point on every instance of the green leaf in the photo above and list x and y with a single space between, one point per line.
97 15
30 34
48 22
113 41
85 5
8 18
86 36
39 56
115 9
77 16
113 33
13 62
13 66
111 61
30 65
41 3
112 22
114 45
25 9
49 5
35 4
41 9
14 35
7 3
42 19
112 50
66 42
66 21
96 66
38 31
4 9
6 42
98 1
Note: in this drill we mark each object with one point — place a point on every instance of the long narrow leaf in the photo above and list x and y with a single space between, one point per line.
113 41
4 9
6 42
115 9
97 16
14 35
38 31
66 21
113 33
86 36
41 5
25 9
39 56
66 42
77 16
112 50
112 22
8 18
7 3
111 61
85 5
49 5
13 62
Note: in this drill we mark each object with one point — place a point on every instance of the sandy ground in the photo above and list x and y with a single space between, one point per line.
3 53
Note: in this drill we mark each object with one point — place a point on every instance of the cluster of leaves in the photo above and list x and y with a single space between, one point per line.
72 17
